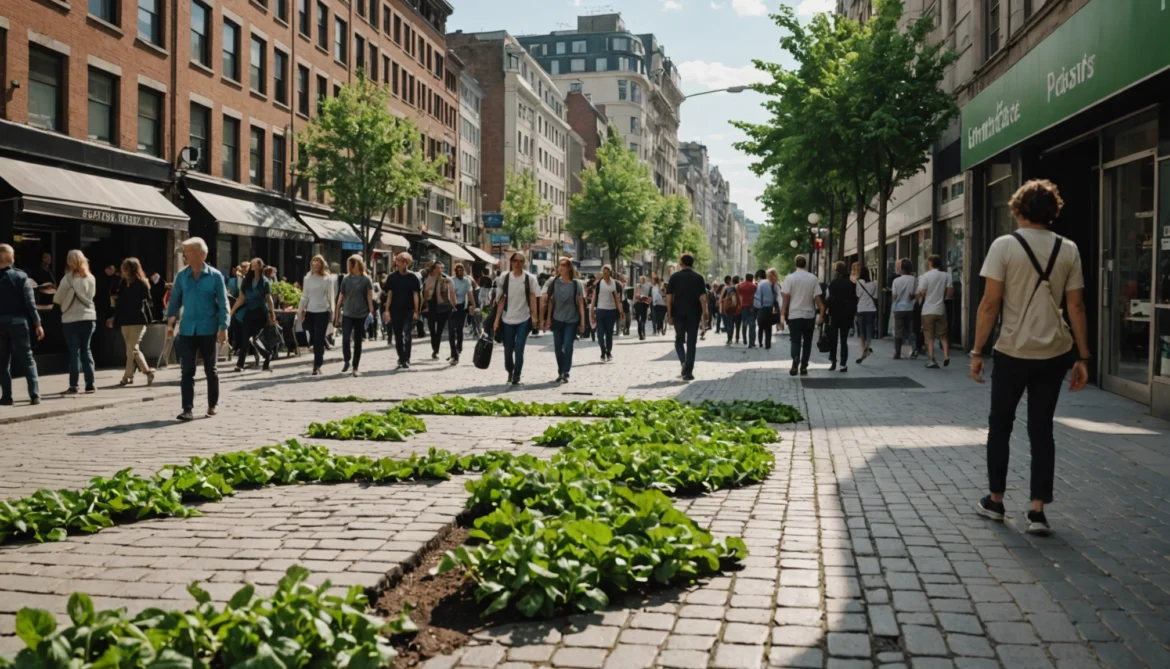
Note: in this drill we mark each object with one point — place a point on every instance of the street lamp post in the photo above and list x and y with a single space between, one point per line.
729 89
814 219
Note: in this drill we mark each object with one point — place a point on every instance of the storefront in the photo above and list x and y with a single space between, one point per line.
51 210
336 240
243 229
1089 108
445 251
484 261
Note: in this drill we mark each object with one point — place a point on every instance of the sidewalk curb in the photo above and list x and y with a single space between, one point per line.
91 407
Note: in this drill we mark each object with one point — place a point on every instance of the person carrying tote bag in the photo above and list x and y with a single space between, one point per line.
75 296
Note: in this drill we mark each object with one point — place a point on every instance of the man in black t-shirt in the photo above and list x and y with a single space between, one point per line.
403 295
686 308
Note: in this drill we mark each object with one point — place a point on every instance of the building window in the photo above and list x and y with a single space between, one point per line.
602 64
322 91
258 74
619 44
635 92
560 48
150 122
398 30
634 125
150 21
577 65
45 96
231 148
278 163
386 70
256 157
622 85
439 67
322 26
624 64
394 78
580 46
373 63
361 8
282 10
200 33
200 136
231 50
554 67
106 10
280 76
992 22
303 90
340 41
359 50
634 148
386 19
575 87
303 17
103 92
1028 9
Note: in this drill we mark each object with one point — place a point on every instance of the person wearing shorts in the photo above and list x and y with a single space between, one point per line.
904 294
934 289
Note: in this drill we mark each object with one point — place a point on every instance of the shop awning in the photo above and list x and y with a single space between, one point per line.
481 254
331 231
252 219
56 191
450 248
395 240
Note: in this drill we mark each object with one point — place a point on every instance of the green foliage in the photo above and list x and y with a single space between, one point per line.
522 207
616 200
389 426
286 294
694 239
667 222
365 158
298 626
341 399
752 410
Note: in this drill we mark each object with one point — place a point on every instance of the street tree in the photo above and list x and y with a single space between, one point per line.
365 159
894 97
667 222
616 200
522 207
693 240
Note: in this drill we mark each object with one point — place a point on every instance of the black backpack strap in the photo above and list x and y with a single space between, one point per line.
1045 273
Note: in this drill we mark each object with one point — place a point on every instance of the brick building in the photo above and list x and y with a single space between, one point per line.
107 102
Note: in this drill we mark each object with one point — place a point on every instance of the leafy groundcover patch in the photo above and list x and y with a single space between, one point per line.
551 537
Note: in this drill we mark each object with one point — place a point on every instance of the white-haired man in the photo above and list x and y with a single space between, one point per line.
200 292
18 318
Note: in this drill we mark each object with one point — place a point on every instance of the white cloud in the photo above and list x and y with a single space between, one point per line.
670 6
809 7
749 7
716 5
717 75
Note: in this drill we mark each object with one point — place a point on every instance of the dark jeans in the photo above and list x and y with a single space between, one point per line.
77 337
515 338
840 334
729 326
455 331
564 336
606 320
401 325
187 347
747 319
252 326
659 318
316 325
436 321
641 310
686 335
355 327
1009 379
765 324
16 351
800 331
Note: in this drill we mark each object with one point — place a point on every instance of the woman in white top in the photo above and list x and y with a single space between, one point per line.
75 296
658 302
316 308
867 292
607 310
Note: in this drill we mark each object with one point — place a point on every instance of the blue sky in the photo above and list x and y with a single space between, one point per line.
712 41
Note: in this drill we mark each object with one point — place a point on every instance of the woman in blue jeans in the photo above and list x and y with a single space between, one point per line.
607 310
75 296
564 315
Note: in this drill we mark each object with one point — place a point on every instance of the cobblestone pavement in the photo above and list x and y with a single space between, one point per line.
865 550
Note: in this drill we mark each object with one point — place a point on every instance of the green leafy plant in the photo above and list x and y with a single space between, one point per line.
389 426
298 626
286 293
345 398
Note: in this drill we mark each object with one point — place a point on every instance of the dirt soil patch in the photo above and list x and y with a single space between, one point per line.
443 607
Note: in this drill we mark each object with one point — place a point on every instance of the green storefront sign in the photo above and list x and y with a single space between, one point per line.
1106 47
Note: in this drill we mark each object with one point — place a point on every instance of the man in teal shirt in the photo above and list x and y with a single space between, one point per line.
201 294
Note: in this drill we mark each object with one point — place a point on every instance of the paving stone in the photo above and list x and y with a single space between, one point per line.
643 637
798 597
654 621
630 656
993 612
800 578
686 642
921 640
968 645
534 653
482 656
842 663
798 658
848 644
910 601
585 658
683 659
1023 657
846 622
594 636
931 663
697 627
1020 633
1072 656
738 656
1053 627
881 617
794 635
753 616
797 616
960 622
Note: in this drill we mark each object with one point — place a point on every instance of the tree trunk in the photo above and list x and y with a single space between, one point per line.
860 211
841 240
883 261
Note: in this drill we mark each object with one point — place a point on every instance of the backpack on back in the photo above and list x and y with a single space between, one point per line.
1041 321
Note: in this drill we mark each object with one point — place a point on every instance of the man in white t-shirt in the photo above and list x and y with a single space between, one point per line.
518 291
1028 275
803 309
934 289
903 294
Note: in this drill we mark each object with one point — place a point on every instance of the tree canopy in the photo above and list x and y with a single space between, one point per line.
694 240
616 200
366 160
667 222
522 207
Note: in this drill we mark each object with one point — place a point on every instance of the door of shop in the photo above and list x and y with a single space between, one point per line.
1127 274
